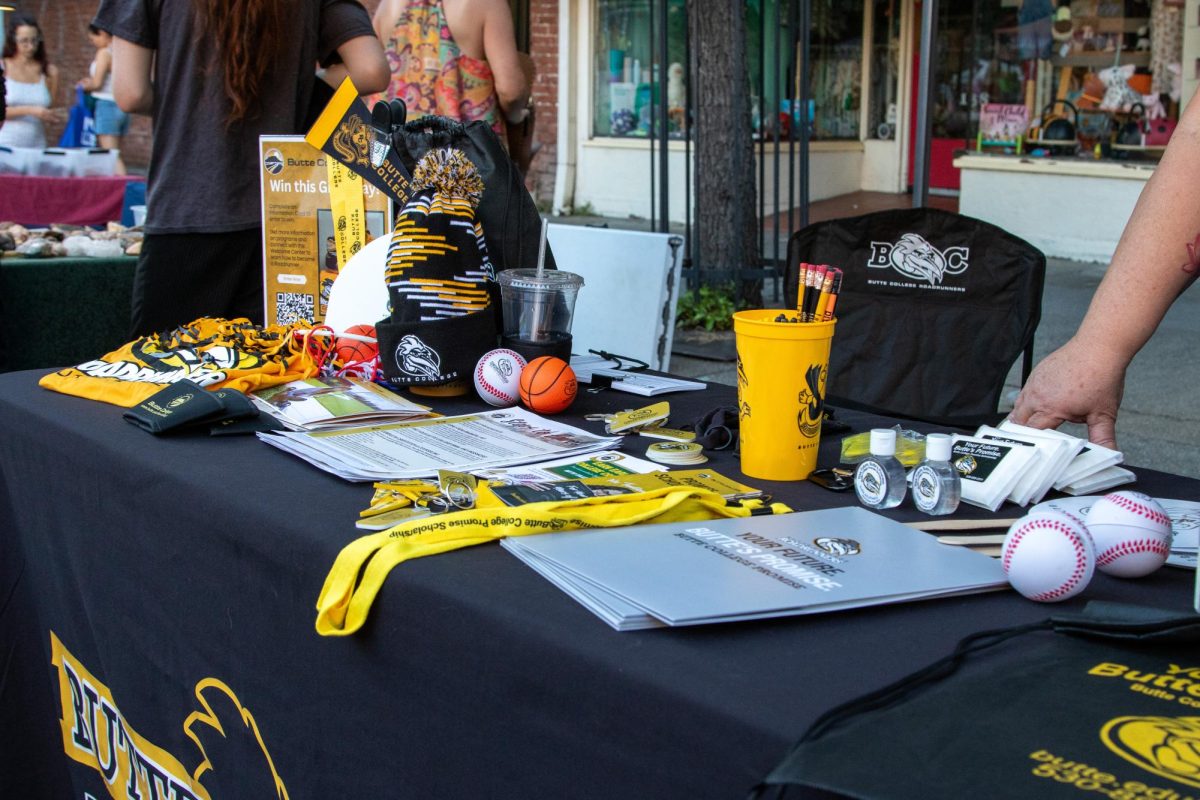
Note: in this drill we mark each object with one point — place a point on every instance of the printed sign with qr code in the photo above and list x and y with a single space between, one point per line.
293 307
299 259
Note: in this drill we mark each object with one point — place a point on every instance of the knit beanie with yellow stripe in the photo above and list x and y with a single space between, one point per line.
438 277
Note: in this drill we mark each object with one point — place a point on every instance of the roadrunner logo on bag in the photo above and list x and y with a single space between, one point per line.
914 257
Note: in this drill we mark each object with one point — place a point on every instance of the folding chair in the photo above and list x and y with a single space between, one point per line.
934 310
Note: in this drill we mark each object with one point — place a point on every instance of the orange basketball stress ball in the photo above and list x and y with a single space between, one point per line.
356 344
547 385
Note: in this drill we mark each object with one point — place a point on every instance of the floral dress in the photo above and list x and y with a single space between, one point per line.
432 76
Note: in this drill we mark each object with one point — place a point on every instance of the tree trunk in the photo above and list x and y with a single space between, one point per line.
726 224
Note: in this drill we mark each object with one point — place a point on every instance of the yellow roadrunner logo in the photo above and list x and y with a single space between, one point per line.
1166 746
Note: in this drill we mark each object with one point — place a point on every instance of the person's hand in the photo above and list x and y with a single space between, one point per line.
1076 383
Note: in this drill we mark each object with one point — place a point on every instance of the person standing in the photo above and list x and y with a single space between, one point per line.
214 75
111 121
31 83
454 58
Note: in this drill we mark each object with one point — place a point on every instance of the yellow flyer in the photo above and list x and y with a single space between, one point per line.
302 236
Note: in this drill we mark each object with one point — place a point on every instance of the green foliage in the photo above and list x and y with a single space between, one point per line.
708 307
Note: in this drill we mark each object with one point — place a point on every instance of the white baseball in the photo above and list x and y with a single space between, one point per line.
498 377
1132 534
1048 556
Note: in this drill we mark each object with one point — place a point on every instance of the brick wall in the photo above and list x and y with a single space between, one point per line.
543 46
64 25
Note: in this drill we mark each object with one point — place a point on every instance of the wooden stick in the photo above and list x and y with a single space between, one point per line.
961 524
973 541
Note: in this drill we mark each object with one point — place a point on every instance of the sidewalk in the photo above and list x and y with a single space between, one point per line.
1159 424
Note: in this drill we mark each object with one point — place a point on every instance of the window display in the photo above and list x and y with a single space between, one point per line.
626 76
1102 66
626 68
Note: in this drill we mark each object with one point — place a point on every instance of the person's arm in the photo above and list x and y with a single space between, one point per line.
385 18
500 50
1157 257
364 62
103 62
52 83
133 88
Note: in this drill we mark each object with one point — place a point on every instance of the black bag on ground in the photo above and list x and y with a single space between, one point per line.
1101 703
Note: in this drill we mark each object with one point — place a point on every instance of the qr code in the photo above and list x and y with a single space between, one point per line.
293 307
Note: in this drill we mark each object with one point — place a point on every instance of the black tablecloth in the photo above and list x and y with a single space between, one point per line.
173 569
56 311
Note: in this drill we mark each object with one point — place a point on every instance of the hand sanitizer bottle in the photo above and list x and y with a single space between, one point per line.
879 480
936 484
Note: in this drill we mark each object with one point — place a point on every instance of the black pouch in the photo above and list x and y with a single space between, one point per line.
175 406
184 404
1101 703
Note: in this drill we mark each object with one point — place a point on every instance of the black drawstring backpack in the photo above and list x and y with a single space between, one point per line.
511 223
1103 703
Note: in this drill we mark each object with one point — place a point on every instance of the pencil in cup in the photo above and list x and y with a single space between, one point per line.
834 291
817 291
801 278
816 277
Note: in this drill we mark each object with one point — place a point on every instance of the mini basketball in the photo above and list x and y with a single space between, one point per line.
498 375
349 350
548 385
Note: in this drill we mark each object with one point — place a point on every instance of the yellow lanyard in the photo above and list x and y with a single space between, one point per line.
350 589
346 199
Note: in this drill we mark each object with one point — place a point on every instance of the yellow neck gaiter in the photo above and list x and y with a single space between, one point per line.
360 568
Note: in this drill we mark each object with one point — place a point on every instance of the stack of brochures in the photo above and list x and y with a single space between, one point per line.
418 449
693 573
323 403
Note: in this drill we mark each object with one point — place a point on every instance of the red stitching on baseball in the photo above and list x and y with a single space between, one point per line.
1130 504
1131 547
1076 544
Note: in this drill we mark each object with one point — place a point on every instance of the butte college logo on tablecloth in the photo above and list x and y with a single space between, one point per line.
228 752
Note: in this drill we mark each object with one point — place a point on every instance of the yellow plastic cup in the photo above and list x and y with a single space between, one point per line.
782 368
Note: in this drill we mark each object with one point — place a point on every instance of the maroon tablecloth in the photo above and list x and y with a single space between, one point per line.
40 201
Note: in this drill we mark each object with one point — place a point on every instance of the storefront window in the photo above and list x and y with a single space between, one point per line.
1102 56
626 73
835 65
885 69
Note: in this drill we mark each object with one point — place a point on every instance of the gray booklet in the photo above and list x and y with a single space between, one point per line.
692 573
